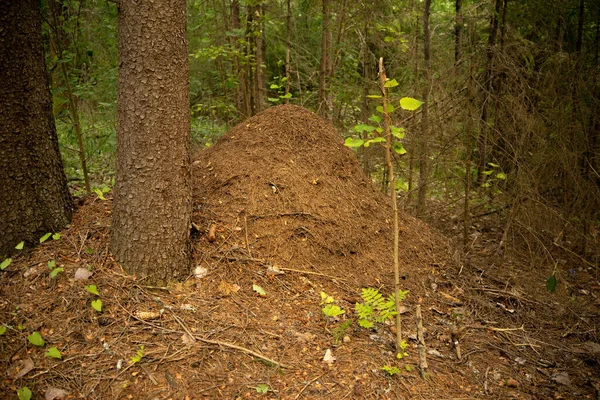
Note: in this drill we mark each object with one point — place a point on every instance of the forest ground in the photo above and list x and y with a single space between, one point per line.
294 217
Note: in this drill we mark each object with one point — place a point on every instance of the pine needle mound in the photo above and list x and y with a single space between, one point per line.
285 178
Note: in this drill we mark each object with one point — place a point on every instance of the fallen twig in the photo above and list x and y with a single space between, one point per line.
244 350
308 384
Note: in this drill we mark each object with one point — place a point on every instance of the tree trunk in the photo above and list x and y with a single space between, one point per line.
34 198
152 204
487 84
424 139
323 107
458 29
580 26
288 45
260 47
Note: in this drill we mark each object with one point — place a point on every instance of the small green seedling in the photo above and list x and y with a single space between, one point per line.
330 309
20 246
92 289
402 353
24 393
36 339
97 305
45 237
4 264
2 330
391 371
53 353
56 236
376 308
551 283
53 270
262 388
138 356
339 331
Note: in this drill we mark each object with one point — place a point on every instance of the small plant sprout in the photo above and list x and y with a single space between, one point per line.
56 236
53 352
401 352
4 264
20 246
24 393
376 308
97 305
139 354
262 388
53 270
92 289
391 371
2 329
36 339
329 309
45 237
339 331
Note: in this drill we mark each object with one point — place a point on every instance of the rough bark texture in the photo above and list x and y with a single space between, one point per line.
34 198
152 205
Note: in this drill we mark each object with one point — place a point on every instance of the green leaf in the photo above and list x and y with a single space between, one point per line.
331 310
273 99
2 330
92 289
325 299
491 164
24 393
488 172
287 96
51 264
20 246
501 175
56 236
374 96
100 194
274 86
398 132
390 108
365 323
391 371
374 140
408 368
379 130
410 104
5 263
55 272
97 305
375 118
53 352
390 83
363 128
551 283
36 339
259 290
399 149
45 237
262 388
353 142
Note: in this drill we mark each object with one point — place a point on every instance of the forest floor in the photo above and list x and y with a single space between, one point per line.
293 216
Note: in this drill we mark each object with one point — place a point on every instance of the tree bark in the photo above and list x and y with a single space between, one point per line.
580 26
288 45
458 29
424 139
34 199
152 204
323 107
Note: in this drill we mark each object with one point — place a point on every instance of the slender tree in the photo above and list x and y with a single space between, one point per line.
152 204
323 107
424 139
34 198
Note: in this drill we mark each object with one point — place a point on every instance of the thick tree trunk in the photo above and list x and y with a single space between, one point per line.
34 198
152 205
424 139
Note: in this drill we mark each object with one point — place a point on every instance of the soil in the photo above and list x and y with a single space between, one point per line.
282 213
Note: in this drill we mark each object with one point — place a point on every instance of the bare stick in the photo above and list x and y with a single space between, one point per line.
244 350
388 157
421 342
